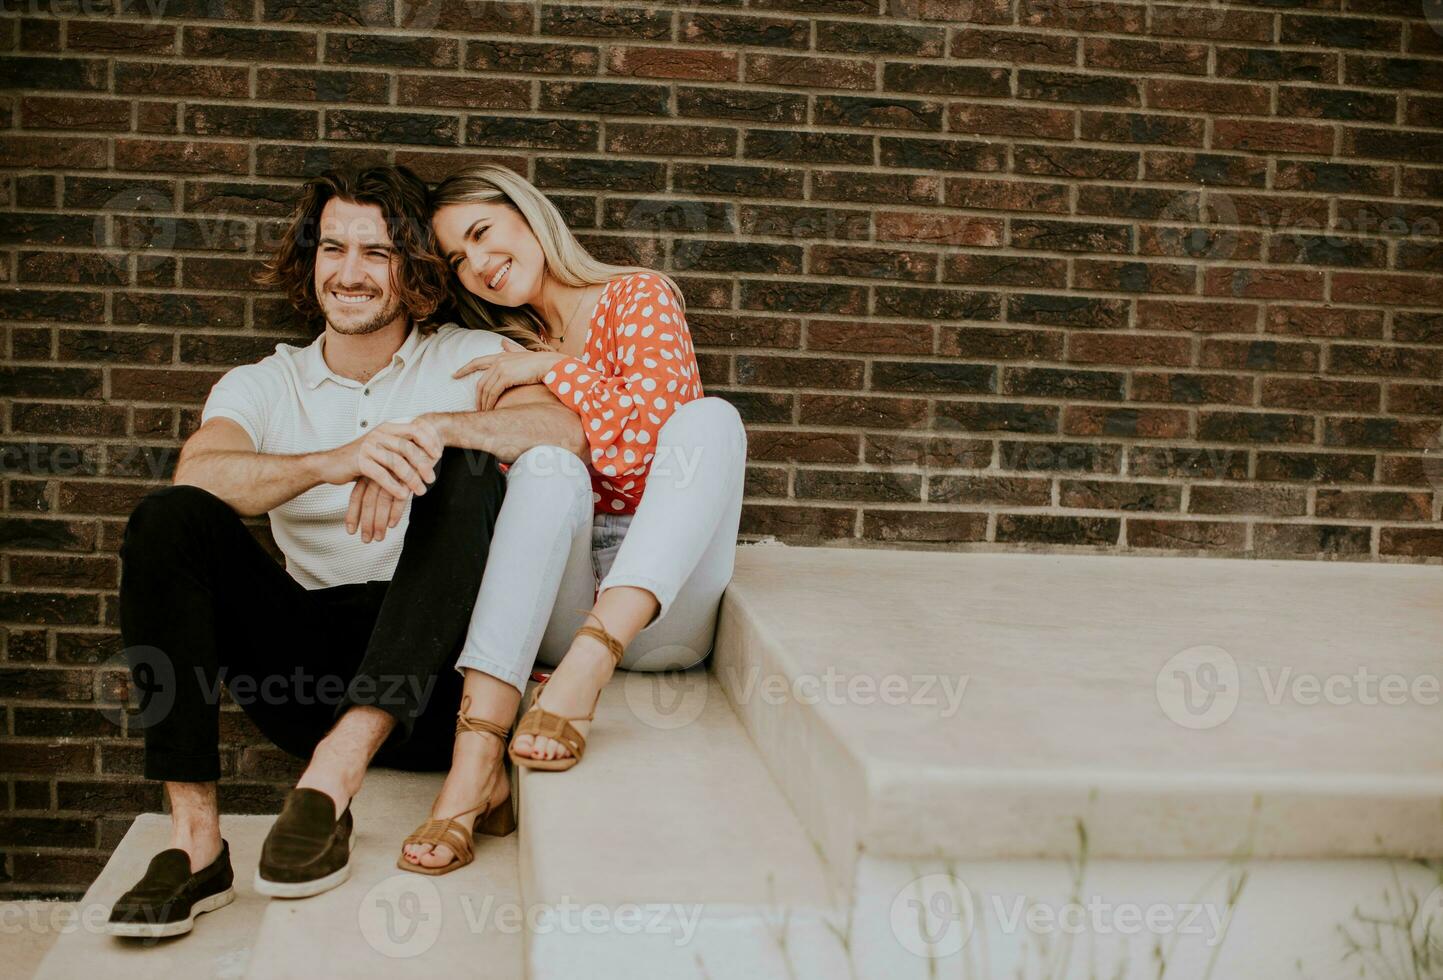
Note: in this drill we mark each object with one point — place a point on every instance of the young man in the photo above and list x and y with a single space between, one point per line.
347 654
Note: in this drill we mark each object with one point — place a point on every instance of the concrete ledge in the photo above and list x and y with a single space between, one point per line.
1150 699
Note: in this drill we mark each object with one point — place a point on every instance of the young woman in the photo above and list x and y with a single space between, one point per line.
620 559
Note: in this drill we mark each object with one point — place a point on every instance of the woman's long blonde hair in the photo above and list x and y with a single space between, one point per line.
566 258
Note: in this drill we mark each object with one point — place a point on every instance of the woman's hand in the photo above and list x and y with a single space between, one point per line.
514 366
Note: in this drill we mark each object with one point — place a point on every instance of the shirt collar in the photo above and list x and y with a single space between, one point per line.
315 369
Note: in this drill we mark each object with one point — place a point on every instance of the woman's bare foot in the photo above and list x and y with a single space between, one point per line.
570 693
476 774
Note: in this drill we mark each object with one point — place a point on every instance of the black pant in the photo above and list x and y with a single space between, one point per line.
201 601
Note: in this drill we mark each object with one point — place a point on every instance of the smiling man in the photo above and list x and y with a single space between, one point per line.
352 445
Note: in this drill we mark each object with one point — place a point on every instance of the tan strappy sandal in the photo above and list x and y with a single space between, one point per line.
546 724
498 821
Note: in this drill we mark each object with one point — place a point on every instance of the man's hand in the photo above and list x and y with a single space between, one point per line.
373 510
400 457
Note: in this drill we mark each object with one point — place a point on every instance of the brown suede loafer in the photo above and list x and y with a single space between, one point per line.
168 897
308 849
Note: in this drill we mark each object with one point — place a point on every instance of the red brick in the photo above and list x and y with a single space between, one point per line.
1271 137
1185 535
1251 283
696 65
785 69
939 229
1155 314
1198 96
1131 423
923 526
1129 348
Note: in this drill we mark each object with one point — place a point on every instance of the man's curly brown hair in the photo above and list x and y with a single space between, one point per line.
421 280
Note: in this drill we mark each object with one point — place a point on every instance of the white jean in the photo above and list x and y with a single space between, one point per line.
550 557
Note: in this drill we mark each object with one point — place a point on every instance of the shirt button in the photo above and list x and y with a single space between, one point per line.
367 391
363 423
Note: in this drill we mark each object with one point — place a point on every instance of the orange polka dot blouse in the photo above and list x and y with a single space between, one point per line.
638 367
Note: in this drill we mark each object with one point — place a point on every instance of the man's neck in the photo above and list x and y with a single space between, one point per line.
360 356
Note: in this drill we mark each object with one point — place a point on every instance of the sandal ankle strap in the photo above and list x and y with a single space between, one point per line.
615 646
472 723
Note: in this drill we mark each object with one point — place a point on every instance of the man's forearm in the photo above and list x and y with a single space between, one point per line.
509 431
252 483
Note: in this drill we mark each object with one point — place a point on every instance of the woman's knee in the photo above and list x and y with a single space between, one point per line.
707 421
550 475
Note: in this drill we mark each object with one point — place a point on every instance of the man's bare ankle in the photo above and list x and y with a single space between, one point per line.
196 826
202 845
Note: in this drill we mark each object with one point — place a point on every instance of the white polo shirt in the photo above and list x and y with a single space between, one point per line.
291 402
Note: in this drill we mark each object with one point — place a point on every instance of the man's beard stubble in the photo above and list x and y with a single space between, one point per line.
369 326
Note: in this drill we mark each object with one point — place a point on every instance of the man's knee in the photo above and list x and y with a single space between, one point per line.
467 483
171 515
462 470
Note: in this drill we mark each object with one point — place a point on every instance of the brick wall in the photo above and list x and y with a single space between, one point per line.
993 273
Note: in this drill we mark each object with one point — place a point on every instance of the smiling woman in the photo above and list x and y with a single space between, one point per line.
631 558
516 268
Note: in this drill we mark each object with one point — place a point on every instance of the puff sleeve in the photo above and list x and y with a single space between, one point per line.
643 369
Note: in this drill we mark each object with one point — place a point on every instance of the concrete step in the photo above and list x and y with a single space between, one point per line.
1028 692
30 928
669 851
386 923
382 922
911 764
959 731
221 943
